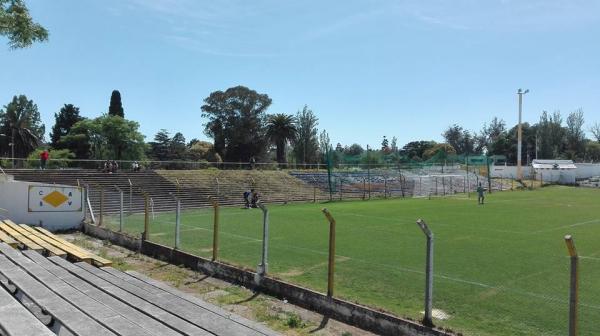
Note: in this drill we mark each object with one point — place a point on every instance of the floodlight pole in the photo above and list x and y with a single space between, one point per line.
574 287
520 134
263 266
427 319
215 204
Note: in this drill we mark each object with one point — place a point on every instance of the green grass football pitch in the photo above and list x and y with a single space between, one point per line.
500 269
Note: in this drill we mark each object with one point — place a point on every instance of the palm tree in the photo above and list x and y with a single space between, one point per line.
281 128
21 125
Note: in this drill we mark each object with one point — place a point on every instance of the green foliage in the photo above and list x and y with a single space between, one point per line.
294 321
281 129
592 151
441 151
21 119
18 26
116 107
460 139
59 158
306 144
237 123
109 137
64 121
414 150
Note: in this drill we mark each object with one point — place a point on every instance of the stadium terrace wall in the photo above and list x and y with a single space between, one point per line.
347 312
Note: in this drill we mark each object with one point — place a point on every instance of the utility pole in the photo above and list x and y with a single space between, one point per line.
520 134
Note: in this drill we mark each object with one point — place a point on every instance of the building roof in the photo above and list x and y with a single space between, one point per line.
553 164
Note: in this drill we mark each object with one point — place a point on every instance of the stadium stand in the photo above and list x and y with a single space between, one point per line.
42 296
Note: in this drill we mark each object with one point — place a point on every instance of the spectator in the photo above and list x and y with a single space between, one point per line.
135 166
115 166
247 195
44 156
252 162
255 199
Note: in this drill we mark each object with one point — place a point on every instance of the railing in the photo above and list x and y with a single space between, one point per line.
21 163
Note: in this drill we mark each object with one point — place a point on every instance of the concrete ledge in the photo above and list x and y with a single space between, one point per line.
116 238
347 312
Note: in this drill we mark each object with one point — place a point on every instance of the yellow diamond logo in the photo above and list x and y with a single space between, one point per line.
55 199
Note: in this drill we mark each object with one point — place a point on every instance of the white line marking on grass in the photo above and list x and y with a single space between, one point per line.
568 226
399 268
590 258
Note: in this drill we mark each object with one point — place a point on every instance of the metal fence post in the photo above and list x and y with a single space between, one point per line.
101 206
215 248
428 273
574 287
263 266
120 208
130 197
177 222
331 268
385 187
146 234
341 188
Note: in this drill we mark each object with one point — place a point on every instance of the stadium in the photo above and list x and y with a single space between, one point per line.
273 222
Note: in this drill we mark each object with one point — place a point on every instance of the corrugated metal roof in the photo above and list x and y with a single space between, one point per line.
553 164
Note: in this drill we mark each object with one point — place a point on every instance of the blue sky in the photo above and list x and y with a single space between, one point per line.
367 68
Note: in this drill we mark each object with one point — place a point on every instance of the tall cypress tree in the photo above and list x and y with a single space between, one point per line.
116 107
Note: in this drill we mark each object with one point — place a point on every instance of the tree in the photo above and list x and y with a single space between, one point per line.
354 149
414 150
281 129
394 145
116 107
203 150
442 151
325 145
592 151
551 135
236 123
385 145
18 26
177 147
65 119
20 120
575 135
306 145
595 129
489 134
110 137
159 148
460 139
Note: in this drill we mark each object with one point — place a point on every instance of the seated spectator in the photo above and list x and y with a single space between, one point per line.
255 199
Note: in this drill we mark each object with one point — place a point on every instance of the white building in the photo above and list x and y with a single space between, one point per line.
555 171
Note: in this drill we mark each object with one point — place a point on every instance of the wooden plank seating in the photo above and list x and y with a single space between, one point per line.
165 316
27 243
4 238
152 326
73 249
64 313
16 320
208 320
99 312
26 233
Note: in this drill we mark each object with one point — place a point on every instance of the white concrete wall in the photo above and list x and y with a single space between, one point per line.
14 197
587 170
511 171
584 170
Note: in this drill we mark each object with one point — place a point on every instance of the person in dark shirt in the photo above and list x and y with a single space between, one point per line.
480 196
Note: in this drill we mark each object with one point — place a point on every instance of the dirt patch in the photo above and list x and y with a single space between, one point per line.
278 315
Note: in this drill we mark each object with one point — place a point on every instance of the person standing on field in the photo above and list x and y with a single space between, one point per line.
480 196
44 156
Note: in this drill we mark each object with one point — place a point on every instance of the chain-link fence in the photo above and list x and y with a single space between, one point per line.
493 273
